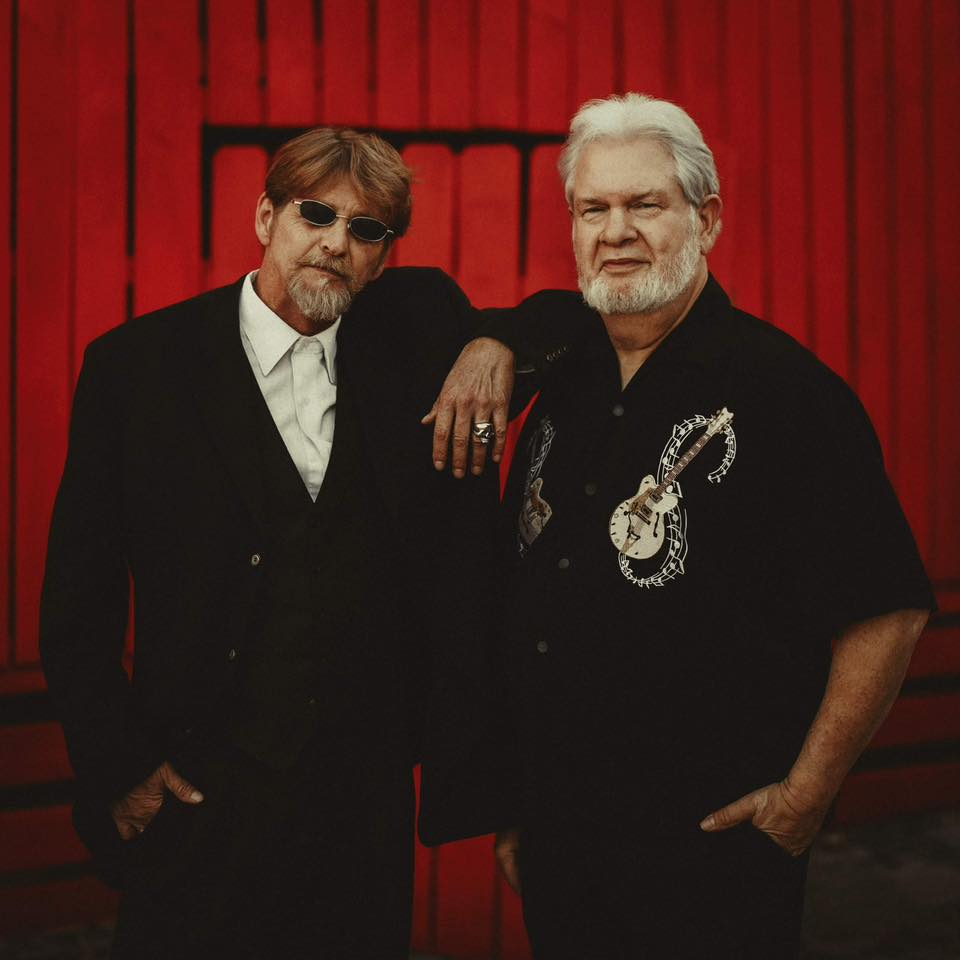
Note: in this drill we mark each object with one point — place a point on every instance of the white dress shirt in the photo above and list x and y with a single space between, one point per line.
298 378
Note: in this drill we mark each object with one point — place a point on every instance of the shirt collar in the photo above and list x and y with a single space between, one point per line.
271 337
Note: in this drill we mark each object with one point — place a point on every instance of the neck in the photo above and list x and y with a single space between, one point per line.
635 336
276 297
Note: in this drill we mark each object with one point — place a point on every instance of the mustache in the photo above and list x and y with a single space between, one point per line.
331 264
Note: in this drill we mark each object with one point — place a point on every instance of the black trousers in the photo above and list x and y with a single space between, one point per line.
657 894
312 862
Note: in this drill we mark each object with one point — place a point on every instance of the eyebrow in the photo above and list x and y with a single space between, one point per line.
632 198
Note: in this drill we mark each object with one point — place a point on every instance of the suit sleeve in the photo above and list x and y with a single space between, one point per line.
84 609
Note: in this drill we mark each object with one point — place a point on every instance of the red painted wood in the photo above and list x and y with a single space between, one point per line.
514 944
450 64
46 158
6 276
421 931
877 794
465 890
872 252
399 97
911 413
827 196
595 52
920 720
38 838
489 225
28 680
548 79
514 429
346 63
726 253
32 753
700 79
498 74
645 39
743 177
789 308
234 62
944 557
168 265
100 240
82 902
550 260
238 175
937 652
290 69
430 240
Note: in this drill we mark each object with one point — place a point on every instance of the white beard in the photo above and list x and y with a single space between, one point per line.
325 300
657 287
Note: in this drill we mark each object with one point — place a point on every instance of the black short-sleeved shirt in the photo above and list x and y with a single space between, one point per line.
697 671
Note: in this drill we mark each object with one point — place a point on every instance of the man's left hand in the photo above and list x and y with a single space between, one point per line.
789 819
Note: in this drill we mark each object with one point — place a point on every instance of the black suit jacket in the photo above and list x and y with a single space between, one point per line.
164 488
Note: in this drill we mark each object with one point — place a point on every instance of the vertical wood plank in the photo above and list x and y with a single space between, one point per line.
290 68
238 175
550 260
829 246
347 63
101 223
593 26
645 37
450 64
549 73
497 73
6 324
872 253
430 241
489 225
399 100
46 152
168 115
911 242
945 552
743 180
234 62
465 886
789 307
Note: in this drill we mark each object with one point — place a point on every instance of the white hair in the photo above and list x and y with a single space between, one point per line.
635 115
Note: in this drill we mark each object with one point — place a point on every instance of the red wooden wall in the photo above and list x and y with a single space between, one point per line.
134 136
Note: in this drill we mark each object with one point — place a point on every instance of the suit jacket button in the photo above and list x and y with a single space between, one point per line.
542 646
255 560
563 563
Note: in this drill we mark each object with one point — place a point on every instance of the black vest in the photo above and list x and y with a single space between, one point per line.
327 652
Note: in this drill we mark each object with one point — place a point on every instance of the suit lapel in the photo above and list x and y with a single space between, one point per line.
229 399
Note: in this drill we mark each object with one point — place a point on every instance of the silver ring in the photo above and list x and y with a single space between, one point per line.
483 432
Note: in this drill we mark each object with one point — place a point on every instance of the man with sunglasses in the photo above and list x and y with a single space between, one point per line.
251 460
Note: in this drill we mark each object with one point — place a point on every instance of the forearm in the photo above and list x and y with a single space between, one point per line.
869 662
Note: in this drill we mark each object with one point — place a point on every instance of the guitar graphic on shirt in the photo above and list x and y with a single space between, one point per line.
636 526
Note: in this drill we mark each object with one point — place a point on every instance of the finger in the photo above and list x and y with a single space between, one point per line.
462 429
508 862
500 426
478 457
432 415
732 814
179 787
442 424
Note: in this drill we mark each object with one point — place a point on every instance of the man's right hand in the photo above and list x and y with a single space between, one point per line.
506 849
133 813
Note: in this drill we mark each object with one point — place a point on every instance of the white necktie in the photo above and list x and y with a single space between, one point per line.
315 398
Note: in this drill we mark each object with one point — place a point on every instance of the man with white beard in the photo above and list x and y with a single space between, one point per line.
715 593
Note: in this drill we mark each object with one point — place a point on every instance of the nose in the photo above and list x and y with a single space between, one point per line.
334 239
618 227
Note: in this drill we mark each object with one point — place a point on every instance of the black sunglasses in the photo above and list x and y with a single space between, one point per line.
323 215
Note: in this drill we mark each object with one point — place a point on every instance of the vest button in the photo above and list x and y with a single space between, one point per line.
232 655
255 560
563 563
542 646
618 410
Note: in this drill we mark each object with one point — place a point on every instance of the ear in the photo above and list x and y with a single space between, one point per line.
266 212
709 216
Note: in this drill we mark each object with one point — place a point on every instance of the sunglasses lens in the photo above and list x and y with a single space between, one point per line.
317 213
366 228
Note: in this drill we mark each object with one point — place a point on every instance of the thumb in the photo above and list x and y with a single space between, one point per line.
178 786
729 816
431 416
